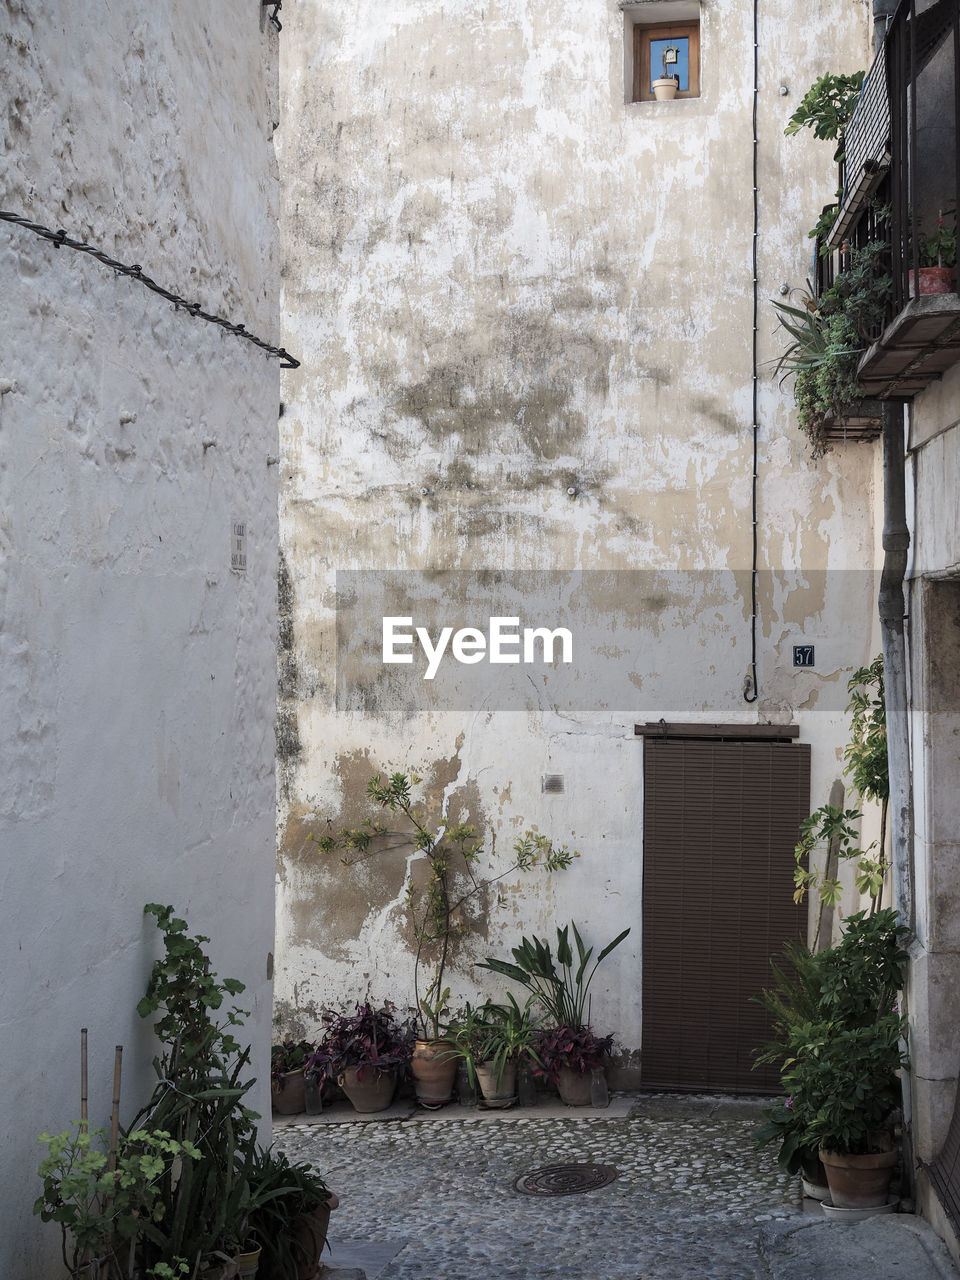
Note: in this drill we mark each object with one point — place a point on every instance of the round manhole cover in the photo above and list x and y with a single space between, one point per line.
565 1179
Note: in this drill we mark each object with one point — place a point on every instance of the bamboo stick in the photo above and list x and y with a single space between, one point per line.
115 1110
83 1077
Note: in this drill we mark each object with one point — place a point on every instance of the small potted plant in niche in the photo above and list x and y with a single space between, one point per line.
665 88
288 1061
365 1052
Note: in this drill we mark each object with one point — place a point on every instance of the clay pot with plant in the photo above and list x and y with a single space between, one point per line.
841 1049
568 1049
666 86
937 258
288 1061
444 905
492 1041
568 1056
288 1216
367 1053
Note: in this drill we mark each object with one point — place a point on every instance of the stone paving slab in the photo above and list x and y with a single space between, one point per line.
891 1247
431 1197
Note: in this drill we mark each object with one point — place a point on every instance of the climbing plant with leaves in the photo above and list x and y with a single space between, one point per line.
866 766
441 906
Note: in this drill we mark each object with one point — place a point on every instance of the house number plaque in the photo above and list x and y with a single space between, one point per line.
803 655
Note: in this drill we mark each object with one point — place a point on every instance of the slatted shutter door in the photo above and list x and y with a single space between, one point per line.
720 824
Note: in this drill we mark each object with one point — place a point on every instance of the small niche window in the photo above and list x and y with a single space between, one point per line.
664 52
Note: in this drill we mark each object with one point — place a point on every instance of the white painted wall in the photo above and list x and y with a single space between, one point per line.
137 672
507 284
933 635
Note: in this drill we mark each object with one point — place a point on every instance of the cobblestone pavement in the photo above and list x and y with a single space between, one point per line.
689 1203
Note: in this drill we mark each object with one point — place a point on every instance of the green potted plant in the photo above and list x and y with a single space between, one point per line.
845 1081
365 1052
841 1052
441 906
104 1194
288 1061
792 1002
171 1196
562 988
511 1036
467 1037
198 1098
491 1041
288 1216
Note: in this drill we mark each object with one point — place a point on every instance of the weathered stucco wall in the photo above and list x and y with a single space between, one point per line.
137 678
525 313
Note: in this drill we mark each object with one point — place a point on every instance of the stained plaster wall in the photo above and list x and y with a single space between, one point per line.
137 672
525 312
933 628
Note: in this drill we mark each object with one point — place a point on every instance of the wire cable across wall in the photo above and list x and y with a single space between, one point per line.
61 240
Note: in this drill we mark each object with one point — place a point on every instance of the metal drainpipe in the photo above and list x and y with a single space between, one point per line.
896 542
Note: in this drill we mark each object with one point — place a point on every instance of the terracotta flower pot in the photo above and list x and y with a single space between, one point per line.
859 1182
932 280
574 1087
664 90
310 1232
367 1088
289 1098
503 1094
434 1069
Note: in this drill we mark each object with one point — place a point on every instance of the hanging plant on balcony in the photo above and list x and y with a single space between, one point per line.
828 336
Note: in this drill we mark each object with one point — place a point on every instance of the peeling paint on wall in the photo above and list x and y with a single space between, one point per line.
525 308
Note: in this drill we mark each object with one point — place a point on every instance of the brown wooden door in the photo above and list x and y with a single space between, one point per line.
720 823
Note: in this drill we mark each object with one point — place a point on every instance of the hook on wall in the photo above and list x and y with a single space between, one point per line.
277 6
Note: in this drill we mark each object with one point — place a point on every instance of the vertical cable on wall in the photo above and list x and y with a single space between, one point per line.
750 689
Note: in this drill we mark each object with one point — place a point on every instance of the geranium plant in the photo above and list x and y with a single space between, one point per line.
103 1198
939 248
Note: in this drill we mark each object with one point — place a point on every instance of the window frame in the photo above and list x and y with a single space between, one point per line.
643 35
